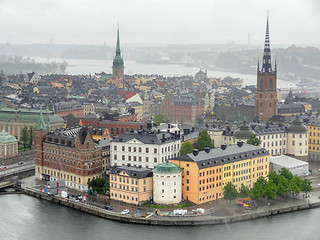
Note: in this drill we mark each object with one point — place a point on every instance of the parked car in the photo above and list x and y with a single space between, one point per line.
126 211
3 167
108 207
20 163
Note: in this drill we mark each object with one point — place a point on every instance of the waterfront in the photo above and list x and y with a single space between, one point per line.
24 217
90 66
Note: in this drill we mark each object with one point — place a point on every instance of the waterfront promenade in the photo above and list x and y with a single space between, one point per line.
220 215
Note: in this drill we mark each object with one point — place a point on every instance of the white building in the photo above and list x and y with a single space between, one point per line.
295 166
144 148
276 139
167 184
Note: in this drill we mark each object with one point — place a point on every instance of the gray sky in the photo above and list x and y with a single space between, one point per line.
159 21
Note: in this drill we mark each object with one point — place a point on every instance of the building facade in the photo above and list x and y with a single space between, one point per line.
13 120
66 154
63 109
167 184
8 145
146 149
130 184
205 172
266 105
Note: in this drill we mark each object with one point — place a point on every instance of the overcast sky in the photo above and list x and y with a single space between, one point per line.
159 21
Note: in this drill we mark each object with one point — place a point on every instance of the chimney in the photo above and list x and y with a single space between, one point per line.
192 129
195 152
240 143
149 126
141 126
223 146
158 130
169 125
185 131
206 149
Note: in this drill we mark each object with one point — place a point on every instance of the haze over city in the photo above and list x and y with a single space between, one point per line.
158 22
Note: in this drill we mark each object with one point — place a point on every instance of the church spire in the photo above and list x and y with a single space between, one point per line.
266 66
41 123
118 51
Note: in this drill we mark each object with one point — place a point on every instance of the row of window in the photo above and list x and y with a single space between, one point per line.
209 180
155 150
209 172
122 196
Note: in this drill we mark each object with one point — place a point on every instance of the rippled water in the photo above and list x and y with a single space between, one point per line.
24 217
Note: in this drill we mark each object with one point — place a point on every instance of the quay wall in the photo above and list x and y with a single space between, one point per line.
166 221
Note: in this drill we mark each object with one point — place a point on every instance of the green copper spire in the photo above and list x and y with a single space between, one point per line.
118 61
41 124
118 51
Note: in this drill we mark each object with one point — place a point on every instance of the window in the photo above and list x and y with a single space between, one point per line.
147 150
187 172
155 160
123 148
155 150
115 148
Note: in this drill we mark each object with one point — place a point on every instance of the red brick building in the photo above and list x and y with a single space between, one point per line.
182 109
266 105
66 154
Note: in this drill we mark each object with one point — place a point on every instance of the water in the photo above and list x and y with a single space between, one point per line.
89 66
24 218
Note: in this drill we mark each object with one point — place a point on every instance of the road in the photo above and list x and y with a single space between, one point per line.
15 168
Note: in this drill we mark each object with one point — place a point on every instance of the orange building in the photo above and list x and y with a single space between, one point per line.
131 184
205 172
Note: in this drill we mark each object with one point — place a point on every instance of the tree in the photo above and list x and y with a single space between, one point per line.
204 140
258 189
230 192
244 191
99 185
282 186
30 131
306 186
286 173
253 140
294 185
160 119
274 177
24 137
186 148
269 190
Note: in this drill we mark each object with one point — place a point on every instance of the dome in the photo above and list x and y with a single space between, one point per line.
167 168
297 127
6 137
244 131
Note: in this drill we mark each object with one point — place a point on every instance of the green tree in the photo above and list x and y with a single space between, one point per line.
294 185
286 173
244 191
258 189
186 148
230 192
253 140
99 185
24 137
160 119
306 186
274 177
1 80
282 187
204 140
30 132
269 190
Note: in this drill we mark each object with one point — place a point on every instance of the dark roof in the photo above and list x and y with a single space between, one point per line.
297 127
232 153
148 137
244 131
133 172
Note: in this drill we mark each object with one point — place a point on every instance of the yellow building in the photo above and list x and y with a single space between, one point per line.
88 108
206 172
131 184
314 140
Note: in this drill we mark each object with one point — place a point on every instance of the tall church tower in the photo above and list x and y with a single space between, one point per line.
118 66
266 105
40 133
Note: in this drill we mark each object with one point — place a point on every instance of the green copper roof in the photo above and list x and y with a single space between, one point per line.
41 124
6 137
244 131
28 115
167 168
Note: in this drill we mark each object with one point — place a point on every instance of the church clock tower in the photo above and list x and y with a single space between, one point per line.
266 105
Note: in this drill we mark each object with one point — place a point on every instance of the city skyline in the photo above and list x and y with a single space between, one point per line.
187 22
